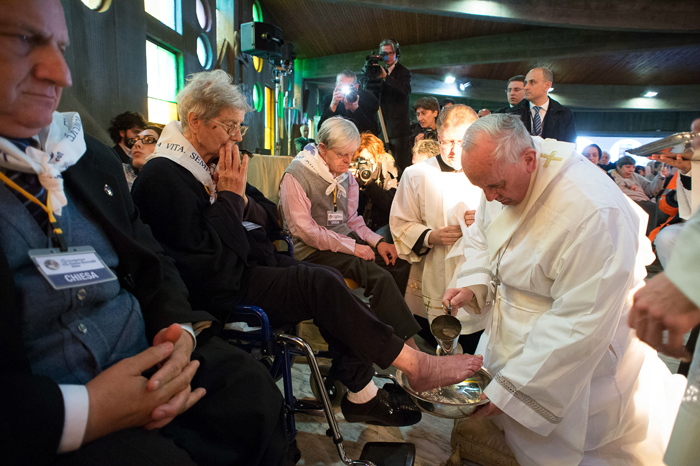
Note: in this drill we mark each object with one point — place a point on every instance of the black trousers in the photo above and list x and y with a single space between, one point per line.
294 291
240 421
380 283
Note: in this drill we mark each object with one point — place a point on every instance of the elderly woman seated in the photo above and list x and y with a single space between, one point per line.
639 189
634 185
216 227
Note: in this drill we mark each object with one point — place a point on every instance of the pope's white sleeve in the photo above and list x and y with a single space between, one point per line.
405 220
592 279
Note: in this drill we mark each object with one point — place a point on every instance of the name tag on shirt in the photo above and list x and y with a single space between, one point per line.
76 267
334 218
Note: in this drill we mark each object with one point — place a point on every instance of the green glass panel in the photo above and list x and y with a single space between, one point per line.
257 12
257 97
161 72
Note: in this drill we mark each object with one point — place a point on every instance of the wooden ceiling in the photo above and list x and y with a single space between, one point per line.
675 66
338 33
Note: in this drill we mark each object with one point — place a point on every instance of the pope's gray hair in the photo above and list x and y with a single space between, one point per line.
207 94
338 133
506 131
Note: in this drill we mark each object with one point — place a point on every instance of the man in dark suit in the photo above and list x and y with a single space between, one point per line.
541 115
396 88
123 127
81 380
352 103
515 92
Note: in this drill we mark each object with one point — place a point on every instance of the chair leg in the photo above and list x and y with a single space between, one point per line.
327 408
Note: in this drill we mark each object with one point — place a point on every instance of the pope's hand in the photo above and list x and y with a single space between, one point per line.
469 217
364 252
660 306
489 409
446 236
456 297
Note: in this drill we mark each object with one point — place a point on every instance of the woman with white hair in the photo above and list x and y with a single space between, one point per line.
218 229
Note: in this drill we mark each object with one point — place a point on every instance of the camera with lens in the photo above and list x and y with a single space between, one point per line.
430 133
372 71
350 93
363 168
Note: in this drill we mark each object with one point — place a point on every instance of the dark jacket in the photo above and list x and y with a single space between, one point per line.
365 117
212 249
121 154
558 121
396 89
32 410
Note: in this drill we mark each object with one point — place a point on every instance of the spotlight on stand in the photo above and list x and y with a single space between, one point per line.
464 86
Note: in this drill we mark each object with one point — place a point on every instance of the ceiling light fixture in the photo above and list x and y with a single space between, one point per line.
551 89
651 94
449 79
464 86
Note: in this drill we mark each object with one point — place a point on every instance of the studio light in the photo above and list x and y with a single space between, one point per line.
449 79
464 86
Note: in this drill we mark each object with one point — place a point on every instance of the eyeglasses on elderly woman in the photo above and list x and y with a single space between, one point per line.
233 129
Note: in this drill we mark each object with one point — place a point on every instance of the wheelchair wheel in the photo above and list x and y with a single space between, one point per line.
335 388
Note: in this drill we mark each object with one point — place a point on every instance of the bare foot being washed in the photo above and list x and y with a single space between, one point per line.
425 372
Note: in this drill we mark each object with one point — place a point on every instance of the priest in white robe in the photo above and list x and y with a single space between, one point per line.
428 216
553 265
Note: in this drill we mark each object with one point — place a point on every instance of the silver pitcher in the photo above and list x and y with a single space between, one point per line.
446 330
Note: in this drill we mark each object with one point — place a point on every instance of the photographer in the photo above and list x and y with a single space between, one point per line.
377 176
396 87
352 103
427 109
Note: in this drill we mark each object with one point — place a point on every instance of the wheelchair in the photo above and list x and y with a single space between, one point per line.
277 348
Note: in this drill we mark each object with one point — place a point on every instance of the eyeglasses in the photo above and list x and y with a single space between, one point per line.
233 129
450 144
144 139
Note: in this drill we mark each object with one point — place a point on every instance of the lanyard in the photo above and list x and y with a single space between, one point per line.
335 195
57 234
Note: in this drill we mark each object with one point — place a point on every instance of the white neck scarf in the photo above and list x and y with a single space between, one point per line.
311 158
63 143
174 146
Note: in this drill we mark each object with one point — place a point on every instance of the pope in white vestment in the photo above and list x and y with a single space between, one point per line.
552 267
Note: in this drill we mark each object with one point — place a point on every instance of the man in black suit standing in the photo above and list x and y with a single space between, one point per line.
541 115
123 127
396 87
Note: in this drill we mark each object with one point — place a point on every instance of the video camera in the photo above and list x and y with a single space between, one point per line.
364 167
373 70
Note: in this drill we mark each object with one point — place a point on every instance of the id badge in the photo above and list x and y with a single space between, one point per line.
76 267
334 218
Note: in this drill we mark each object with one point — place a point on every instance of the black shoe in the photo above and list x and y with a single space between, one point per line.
384 409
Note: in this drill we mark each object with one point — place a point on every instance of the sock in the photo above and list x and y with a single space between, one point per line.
364 395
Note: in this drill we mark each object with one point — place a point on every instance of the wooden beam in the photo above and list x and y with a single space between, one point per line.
629 15
540 43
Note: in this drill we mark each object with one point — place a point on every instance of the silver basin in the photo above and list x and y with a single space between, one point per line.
454 401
